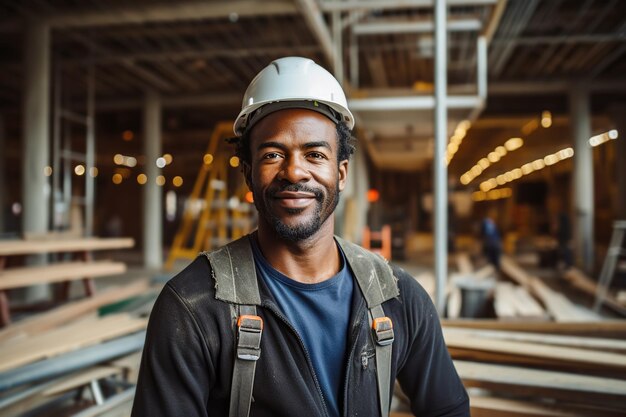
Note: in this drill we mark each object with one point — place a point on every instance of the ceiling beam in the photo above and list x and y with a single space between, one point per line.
354 5
411 103
137 14
182 54
424 26
312 14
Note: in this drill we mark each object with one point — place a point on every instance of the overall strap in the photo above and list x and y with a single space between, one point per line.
378 284
236 283
249 331
382 330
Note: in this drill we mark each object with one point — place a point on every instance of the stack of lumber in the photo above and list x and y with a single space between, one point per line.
540 368
558 306
50 359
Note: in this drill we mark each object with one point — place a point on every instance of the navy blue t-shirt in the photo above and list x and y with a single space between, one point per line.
320 314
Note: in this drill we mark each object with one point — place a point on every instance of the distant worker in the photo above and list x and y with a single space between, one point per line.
292 320
492 242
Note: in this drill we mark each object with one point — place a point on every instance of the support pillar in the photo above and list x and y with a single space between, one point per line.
36 115
337 46
35 150
152 193
440 169
580 116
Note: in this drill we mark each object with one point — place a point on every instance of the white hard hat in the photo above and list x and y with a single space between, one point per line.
293 82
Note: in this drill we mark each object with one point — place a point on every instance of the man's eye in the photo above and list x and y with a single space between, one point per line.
316 155
271 155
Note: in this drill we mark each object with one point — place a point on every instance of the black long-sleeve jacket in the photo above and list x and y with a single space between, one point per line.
188 358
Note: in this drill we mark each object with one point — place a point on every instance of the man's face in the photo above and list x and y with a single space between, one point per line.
294 173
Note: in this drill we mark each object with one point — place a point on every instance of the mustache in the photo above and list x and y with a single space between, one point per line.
319 194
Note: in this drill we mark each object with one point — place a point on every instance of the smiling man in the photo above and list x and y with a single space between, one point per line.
292 320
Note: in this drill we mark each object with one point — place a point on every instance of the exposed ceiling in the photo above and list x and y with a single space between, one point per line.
200 56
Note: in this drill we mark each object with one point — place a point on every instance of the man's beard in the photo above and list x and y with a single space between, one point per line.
325 205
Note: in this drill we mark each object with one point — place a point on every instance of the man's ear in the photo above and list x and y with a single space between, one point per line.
247 174
343 174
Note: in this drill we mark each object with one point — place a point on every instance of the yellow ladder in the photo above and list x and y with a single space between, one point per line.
210 218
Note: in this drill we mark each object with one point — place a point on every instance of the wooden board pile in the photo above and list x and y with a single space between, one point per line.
544 355
72 357
540 369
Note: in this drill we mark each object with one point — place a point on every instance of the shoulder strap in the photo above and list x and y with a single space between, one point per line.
235 273
378 284
382 330
249 331
372 272
236 283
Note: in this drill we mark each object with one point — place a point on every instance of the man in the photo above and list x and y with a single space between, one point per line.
309 294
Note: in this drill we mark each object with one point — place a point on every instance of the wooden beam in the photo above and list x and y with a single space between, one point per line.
602 328
314 19
579 280
66 339
548 339
557 354
66 313
25 247
66 271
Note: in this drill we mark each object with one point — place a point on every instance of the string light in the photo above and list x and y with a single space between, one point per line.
457 139
604 137
526 169
492 157
177 181
496 194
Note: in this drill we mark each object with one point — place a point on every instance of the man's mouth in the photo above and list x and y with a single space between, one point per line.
294 199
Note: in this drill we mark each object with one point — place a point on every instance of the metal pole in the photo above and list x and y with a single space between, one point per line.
580 116
90 180
338 46
439 163
152 196
354 60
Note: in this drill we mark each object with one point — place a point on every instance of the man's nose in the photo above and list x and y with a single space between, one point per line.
294 170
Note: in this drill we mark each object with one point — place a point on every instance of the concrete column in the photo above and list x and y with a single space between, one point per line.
3 185
440 169
618 116
152 193
580 116
36 115
35 149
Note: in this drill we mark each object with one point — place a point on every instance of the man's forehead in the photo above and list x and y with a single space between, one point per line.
293 119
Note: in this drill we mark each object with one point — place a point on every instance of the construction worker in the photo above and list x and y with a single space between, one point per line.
292 320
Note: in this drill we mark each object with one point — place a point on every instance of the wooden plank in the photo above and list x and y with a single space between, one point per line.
487 271
579 280
61 315
526 305
547 339
29 247
559 306
602 328
542 383
33 275
464 264
513 271
481 406
66 339
81 378
504 308
608 360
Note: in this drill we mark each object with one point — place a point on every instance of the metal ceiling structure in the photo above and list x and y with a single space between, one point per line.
203 53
